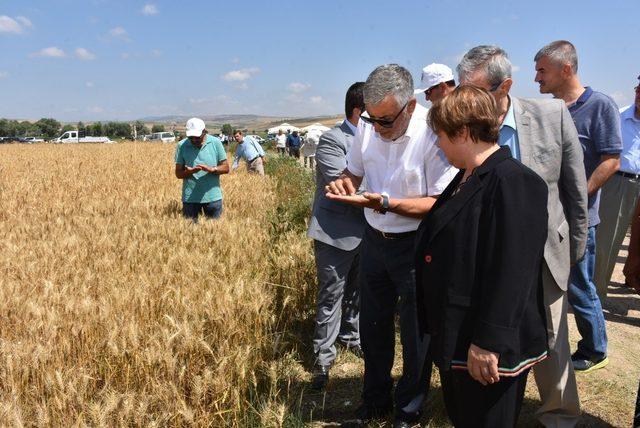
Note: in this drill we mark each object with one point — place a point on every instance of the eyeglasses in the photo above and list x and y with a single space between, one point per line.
428 91
382 122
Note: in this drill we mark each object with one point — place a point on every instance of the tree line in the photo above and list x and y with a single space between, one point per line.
51 128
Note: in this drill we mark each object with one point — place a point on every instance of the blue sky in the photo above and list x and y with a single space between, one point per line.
115 59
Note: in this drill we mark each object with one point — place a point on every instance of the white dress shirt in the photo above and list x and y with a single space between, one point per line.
410 167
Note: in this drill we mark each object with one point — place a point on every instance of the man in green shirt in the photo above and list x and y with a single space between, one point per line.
200 160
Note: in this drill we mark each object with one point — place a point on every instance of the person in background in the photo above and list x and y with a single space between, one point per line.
281 142
250 151
200 160
309 146
395 152
479 293
541 134
597 120
437 82
293 144
336 230
619 196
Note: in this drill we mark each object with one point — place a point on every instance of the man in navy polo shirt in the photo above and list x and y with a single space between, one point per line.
597 120
200 160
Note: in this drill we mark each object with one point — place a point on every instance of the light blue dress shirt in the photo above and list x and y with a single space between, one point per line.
630 157
248 150
508 132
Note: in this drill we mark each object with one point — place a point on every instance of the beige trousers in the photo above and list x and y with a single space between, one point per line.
554 376
256 167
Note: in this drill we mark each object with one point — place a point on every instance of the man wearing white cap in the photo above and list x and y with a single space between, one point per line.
200 160
436 83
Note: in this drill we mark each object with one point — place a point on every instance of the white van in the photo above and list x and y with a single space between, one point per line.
165 137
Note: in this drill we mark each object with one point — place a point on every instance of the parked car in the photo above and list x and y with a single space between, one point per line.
78 137
165 137
31 140
258 139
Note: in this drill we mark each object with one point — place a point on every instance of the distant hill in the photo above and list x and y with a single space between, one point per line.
242 121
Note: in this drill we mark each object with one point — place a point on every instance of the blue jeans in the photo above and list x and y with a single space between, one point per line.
586 304
211 209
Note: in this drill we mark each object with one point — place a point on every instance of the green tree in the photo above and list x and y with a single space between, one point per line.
96 129
157 128
48 128
68 127
227 129
141 129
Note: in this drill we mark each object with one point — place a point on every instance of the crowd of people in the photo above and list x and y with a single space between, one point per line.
478 222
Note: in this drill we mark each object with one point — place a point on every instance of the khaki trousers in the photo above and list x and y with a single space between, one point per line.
617 204
554 376
256 167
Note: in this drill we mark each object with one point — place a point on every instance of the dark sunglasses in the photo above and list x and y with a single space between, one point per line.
428 91
382 122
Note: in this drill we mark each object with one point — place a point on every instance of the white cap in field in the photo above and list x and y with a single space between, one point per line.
432 75
195 127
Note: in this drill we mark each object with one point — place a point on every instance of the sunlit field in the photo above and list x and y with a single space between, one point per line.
115 311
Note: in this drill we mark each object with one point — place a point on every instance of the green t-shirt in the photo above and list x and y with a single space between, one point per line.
202 187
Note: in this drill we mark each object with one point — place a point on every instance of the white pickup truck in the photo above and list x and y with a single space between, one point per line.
75 137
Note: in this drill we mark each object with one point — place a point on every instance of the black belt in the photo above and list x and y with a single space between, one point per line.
389 235
628 175
251 161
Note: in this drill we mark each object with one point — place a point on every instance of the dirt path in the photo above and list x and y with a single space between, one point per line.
607 395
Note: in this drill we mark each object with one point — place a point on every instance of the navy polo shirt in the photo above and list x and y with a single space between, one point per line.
597 120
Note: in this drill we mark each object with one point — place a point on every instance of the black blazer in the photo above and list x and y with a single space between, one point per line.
478 265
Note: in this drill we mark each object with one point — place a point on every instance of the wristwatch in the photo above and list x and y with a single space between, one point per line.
385 204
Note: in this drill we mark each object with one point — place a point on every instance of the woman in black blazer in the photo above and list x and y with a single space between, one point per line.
478 258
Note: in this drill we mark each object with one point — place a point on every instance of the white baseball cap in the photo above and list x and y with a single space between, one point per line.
432 75
195 127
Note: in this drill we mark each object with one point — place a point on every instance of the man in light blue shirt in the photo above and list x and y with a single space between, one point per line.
619 196
509 133
250 151
200 160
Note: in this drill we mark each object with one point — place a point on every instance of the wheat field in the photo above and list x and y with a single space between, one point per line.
116 311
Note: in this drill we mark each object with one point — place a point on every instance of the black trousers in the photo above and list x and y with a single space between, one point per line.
471 405
387 284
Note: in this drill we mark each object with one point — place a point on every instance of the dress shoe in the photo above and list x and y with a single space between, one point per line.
366 414
319 377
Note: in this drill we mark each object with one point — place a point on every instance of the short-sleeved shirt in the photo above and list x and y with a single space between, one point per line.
281 141
630 158
597 120
410 167
202 187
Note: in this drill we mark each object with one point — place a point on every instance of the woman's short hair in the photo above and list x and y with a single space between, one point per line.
467 107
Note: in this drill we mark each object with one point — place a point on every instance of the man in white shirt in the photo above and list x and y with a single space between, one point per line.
281 142
405 171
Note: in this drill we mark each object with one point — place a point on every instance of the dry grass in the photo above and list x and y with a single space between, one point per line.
115 311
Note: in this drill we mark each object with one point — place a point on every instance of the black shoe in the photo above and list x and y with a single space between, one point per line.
319 377
366 414
406 420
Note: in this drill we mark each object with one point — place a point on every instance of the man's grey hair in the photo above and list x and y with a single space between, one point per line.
560 52
388 79
492 60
